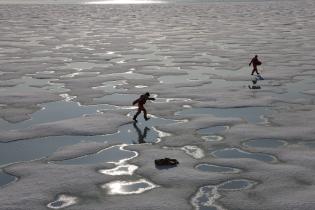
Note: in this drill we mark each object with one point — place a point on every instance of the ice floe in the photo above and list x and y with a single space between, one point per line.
68 79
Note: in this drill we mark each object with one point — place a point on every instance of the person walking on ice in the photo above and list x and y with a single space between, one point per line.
141 101
255 63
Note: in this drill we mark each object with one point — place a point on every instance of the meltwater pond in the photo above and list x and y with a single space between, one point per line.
236 184
117 98
238 153
31 149
216 168
25 150
250 114
112 154
55 111
6 178
212 130
267 143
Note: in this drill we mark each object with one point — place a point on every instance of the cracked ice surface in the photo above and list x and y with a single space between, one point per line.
193 58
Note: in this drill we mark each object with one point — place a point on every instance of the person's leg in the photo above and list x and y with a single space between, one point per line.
136 115
145 114
254 70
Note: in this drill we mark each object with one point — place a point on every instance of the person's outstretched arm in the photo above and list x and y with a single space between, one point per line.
136 101
250 62
152 99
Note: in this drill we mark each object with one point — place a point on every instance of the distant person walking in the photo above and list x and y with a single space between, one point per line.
255 63
141 101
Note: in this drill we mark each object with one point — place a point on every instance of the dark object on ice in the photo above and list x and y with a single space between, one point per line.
166 162
255 63
141 101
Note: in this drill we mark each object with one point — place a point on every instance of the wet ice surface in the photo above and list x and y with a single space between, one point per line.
212 130
238 153
298 88
120 170
52 112
250 114
63 201
236 184
127 188
57 64
206 196
272 143
212 138
216 168
123 99
43 147
38 148
6 178
193 151
112 154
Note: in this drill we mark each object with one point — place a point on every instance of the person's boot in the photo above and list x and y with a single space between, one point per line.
135 118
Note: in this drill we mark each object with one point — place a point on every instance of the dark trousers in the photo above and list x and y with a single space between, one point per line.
141 108
255 70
